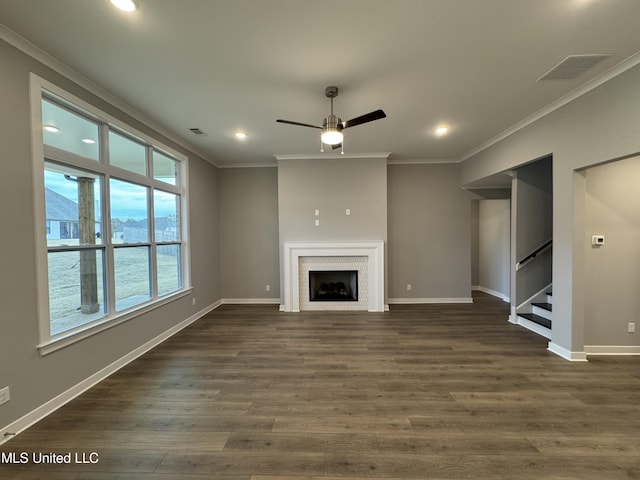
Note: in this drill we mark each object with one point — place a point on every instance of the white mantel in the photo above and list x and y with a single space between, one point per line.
373 251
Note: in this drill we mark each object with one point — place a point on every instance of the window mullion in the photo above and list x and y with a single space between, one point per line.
108 240
153 259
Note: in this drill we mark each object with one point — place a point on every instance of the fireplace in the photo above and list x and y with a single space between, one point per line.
333 286
364 258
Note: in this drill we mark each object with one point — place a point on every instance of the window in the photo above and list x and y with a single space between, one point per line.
111 234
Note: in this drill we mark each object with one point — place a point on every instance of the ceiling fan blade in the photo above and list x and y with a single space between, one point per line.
298 123
337 145
367 117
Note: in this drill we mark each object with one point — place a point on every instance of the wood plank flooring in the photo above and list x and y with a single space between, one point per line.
420 392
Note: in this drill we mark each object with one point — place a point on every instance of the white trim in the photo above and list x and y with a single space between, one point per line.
488 291
424 161
513 315
532 326
87 330
320 156
566 354
409 301
250 301
487 187
55 403
611 350
539 296
57 66
594 83
248 165
373 250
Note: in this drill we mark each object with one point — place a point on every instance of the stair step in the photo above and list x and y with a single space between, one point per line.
532 317
543 305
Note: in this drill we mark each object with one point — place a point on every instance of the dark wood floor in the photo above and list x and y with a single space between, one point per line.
429 392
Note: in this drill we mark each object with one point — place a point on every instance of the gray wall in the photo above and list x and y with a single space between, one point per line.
598 126
249 233
332 185
475 243
418 197
613 270
494 240
35 379
429 233
533 203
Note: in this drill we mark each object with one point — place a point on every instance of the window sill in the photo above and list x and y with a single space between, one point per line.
65 339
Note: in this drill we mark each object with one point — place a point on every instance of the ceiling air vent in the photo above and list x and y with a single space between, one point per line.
197 131
572 66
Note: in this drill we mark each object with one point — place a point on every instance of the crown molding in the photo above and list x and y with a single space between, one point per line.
57 66
325 156
247 165
594 83
424 161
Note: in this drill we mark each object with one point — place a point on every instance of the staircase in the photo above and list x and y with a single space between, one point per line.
536 314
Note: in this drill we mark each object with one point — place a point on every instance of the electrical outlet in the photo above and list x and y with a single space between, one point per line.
631 328
193 301
409 287
268 288
5 395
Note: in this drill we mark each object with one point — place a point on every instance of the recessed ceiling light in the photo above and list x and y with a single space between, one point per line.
51 128
442 130
126 5
88 140
241 135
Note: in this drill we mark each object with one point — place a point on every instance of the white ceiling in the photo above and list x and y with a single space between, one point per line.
227 65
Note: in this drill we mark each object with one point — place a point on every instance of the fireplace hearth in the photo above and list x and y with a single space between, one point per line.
333 286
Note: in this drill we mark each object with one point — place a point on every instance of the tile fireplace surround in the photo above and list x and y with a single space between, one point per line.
367 256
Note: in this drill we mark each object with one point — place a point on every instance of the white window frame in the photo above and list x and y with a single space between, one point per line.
41 153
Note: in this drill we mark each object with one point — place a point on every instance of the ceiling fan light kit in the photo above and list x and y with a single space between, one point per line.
332 126
332 130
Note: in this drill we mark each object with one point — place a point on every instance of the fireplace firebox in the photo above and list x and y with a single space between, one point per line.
333 286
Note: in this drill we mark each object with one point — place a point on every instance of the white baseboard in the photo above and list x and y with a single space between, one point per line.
55 403
250 301
611 350
494 293
407 301
567 354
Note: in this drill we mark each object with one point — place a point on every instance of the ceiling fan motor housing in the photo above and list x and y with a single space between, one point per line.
331 91
332 122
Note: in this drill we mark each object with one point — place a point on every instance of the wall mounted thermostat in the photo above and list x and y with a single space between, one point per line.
597 240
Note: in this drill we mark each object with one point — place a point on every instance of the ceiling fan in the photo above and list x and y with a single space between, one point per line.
332 126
